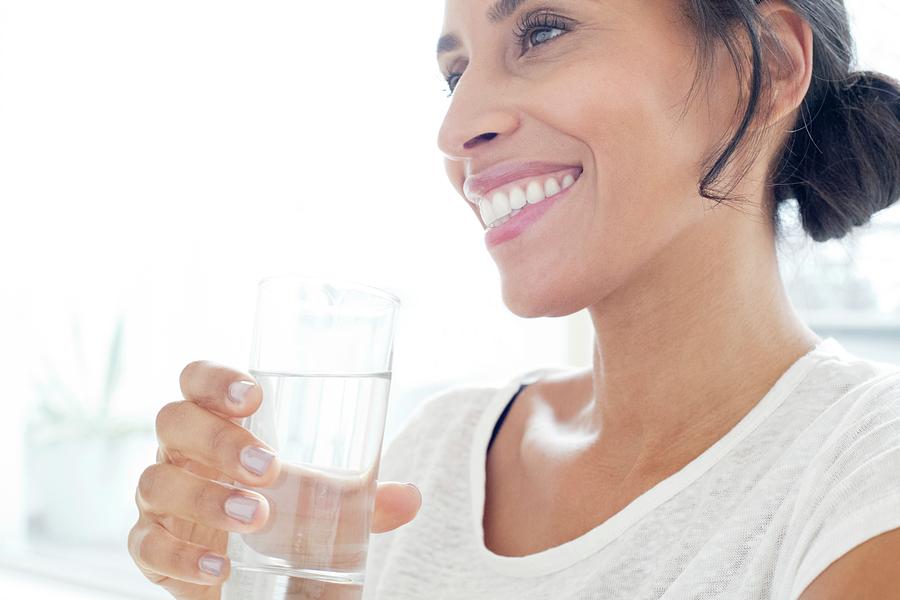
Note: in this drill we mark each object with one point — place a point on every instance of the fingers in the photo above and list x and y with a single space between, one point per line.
164 489
395 504
220 388
157 551
187 429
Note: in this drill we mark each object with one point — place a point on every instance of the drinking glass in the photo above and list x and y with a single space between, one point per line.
321 353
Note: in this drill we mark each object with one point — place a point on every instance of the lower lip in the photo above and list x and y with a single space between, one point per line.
529 214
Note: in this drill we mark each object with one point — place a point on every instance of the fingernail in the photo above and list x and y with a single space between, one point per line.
237 391
212 564
241 508
256 460
415 488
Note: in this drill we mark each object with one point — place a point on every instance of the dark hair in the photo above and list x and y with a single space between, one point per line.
841 161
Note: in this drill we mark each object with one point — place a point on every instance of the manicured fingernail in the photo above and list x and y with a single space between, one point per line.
241 508
237 391
256 460
415 488
212 564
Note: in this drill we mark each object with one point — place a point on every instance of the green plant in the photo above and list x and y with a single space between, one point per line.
65 412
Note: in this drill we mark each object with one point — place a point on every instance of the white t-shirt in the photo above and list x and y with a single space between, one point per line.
810 472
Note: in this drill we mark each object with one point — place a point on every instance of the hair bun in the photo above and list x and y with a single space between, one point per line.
866 87
842 162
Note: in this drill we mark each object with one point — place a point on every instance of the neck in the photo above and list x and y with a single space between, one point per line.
694 339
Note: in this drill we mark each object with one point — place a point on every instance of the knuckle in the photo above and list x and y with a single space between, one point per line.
169 415
188 371
208 501
148 483
134 541
222 443
180 558
138 501
148 546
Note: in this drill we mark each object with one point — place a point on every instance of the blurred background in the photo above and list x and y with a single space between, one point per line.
157 159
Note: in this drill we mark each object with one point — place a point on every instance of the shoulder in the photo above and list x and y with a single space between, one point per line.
436 420
869 401
449 403
846 372
847 527
453 410
459 401
857 447
845 391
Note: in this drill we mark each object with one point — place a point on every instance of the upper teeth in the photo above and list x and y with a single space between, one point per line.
501 204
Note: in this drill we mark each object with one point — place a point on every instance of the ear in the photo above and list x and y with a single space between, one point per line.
787 51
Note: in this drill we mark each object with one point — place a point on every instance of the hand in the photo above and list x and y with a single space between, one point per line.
187 502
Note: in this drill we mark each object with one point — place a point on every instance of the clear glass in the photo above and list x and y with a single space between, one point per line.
322 354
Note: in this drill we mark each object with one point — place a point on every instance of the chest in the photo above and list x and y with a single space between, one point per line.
533 507
519 520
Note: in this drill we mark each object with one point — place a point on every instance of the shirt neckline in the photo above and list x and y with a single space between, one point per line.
561 556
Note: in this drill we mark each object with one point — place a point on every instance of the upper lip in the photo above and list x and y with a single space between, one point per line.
479 185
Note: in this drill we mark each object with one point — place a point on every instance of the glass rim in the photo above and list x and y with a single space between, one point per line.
339 281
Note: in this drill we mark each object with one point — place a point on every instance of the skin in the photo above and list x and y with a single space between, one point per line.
692 324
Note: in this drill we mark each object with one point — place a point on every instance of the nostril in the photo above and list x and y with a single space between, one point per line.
476 140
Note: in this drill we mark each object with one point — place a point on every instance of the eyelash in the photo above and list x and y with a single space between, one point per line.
523 30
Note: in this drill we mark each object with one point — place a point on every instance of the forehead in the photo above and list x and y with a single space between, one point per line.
493 11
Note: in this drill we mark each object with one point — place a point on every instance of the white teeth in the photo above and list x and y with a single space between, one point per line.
551 187
501 205
487 212
517 198
535 193
503 220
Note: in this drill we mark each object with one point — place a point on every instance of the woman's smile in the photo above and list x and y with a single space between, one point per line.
538 199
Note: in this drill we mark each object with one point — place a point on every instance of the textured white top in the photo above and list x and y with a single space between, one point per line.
810 472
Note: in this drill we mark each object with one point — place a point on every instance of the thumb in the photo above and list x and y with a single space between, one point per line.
395 504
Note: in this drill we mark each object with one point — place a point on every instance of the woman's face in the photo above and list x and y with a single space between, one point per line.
599 86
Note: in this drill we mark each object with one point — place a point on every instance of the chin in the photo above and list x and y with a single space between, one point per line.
542 298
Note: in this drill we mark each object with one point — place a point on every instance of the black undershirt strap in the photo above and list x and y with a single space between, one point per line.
503 415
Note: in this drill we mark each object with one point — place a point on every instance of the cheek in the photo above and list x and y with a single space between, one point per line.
644 161
645 164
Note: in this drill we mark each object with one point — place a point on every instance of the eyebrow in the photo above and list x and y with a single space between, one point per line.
500 11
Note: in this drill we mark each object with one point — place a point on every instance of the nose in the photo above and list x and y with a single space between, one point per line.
479 112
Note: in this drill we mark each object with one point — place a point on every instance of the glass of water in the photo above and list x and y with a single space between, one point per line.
321 352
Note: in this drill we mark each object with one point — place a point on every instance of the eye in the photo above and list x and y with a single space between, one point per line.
541 23
528 25
451 80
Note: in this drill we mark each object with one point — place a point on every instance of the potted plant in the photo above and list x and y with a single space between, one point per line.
81 457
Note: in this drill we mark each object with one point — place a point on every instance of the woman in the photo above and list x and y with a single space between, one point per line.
628 158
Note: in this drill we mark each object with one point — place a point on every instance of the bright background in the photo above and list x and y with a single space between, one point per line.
159 158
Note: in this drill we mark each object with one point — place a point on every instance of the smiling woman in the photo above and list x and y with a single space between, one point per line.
629 159
632 158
